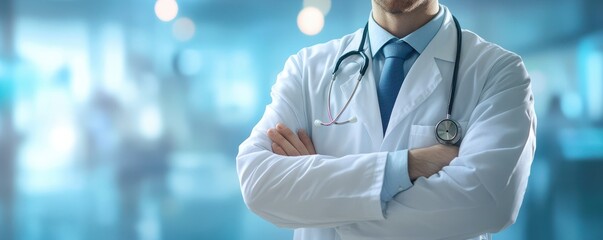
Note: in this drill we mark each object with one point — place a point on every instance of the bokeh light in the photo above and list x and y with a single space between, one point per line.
183 29
150 125
63 137
310 21
166 10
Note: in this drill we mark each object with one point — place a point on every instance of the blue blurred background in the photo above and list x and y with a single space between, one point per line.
121 119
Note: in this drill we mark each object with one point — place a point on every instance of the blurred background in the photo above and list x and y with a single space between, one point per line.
121 119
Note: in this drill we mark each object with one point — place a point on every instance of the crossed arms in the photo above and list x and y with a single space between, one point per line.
422 162
479 191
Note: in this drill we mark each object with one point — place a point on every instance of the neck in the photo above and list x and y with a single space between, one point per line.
403 22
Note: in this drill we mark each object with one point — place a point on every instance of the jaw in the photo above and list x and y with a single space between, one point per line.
399 6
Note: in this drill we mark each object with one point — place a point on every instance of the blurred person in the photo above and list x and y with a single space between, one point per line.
540 201
429 133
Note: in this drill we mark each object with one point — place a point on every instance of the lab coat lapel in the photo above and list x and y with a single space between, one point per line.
425 75
364 105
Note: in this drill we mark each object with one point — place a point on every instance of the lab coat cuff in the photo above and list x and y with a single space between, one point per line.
395 179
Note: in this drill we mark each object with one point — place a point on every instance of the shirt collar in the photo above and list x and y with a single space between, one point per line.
418 40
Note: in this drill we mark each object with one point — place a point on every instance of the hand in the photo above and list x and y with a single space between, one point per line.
424 162
287 143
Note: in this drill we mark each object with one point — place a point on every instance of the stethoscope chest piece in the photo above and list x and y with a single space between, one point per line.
448 132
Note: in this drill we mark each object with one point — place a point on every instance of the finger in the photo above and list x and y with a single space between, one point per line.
292 138
278 149
303 136
277 138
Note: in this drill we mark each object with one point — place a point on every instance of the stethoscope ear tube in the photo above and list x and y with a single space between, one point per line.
334 120
362 71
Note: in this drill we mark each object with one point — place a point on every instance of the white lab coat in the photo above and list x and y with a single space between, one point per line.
336 193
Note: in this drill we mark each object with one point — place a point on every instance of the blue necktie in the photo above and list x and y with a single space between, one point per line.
392 76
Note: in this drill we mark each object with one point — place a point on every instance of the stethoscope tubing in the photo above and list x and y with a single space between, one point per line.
360 51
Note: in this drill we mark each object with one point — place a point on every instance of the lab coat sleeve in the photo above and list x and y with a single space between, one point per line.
305 191
482 189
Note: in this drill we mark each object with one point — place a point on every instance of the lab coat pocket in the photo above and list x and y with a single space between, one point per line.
421 136
424 135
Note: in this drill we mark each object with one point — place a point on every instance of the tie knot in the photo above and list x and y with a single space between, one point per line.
397 49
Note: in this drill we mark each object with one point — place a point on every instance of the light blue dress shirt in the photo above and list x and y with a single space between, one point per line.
396 177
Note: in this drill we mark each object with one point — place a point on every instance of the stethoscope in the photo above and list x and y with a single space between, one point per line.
447 131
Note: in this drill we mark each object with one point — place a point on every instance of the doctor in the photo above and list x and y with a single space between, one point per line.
423 133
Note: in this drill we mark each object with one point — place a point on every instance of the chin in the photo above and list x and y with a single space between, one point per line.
398 6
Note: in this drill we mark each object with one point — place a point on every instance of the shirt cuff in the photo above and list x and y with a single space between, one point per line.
395 179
